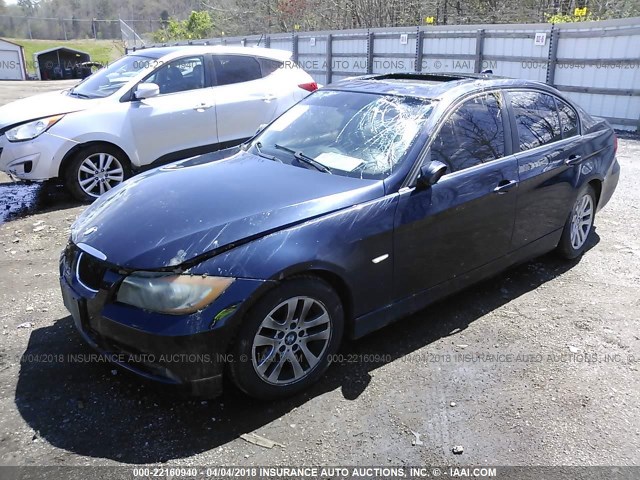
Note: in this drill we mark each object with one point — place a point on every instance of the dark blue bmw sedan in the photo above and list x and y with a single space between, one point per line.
367 201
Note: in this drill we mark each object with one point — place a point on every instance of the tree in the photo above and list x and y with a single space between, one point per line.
29 7
75 27
566 18
164 19
176 30
174 18
198 25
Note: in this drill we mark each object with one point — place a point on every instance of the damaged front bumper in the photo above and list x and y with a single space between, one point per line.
189 351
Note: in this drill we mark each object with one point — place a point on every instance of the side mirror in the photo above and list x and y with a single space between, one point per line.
261 127
146 90
431 172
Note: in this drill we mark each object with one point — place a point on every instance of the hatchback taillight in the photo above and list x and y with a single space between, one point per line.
309 87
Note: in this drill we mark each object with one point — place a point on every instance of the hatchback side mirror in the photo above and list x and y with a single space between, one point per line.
146 90
431 172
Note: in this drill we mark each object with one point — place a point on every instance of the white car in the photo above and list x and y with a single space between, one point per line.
148 108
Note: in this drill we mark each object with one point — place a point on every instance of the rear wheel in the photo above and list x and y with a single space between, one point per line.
579 225
96 170
288 338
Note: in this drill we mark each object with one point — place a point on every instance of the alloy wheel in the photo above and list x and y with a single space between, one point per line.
291 340
99 173
581 221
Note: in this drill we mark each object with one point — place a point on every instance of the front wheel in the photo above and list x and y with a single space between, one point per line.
579 225
288 338
96 170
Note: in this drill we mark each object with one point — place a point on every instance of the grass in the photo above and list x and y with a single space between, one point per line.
103 51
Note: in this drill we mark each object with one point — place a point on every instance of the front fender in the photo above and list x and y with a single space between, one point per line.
344 244
108 126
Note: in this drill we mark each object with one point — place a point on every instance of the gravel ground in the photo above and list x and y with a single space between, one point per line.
538 366
11 91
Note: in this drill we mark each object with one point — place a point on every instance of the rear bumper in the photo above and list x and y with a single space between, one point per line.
609 184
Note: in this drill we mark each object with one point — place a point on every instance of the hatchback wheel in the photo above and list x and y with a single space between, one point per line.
579 225
96 170
287 339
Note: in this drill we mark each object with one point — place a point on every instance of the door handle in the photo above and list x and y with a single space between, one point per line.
202 107
268 98
573 160
504 186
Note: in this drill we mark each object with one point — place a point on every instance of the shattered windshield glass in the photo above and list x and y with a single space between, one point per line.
348 133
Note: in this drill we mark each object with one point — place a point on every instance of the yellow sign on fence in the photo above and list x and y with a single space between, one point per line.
580 12
429 20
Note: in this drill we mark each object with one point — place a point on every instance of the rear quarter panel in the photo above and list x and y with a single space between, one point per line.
599 161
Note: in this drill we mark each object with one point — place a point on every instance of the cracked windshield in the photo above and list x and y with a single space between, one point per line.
347 133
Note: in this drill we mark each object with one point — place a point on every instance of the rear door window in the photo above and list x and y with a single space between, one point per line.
232 69
473 134
536 117
568 119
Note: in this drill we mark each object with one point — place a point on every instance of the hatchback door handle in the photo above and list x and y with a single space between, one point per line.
573 160
268 98
504 186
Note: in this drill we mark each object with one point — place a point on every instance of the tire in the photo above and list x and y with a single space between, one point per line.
575 235
95 170
272 339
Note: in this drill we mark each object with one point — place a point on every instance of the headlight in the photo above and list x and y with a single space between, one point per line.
174 294
29 131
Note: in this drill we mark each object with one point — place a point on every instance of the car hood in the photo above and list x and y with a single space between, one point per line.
39 106
170 215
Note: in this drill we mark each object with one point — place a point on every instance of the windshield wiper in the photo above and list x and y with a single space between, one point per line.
301 157
79 95
258 146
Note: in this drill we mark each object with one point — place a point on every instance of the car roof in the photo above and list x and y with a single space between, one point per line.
429 85
177 50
